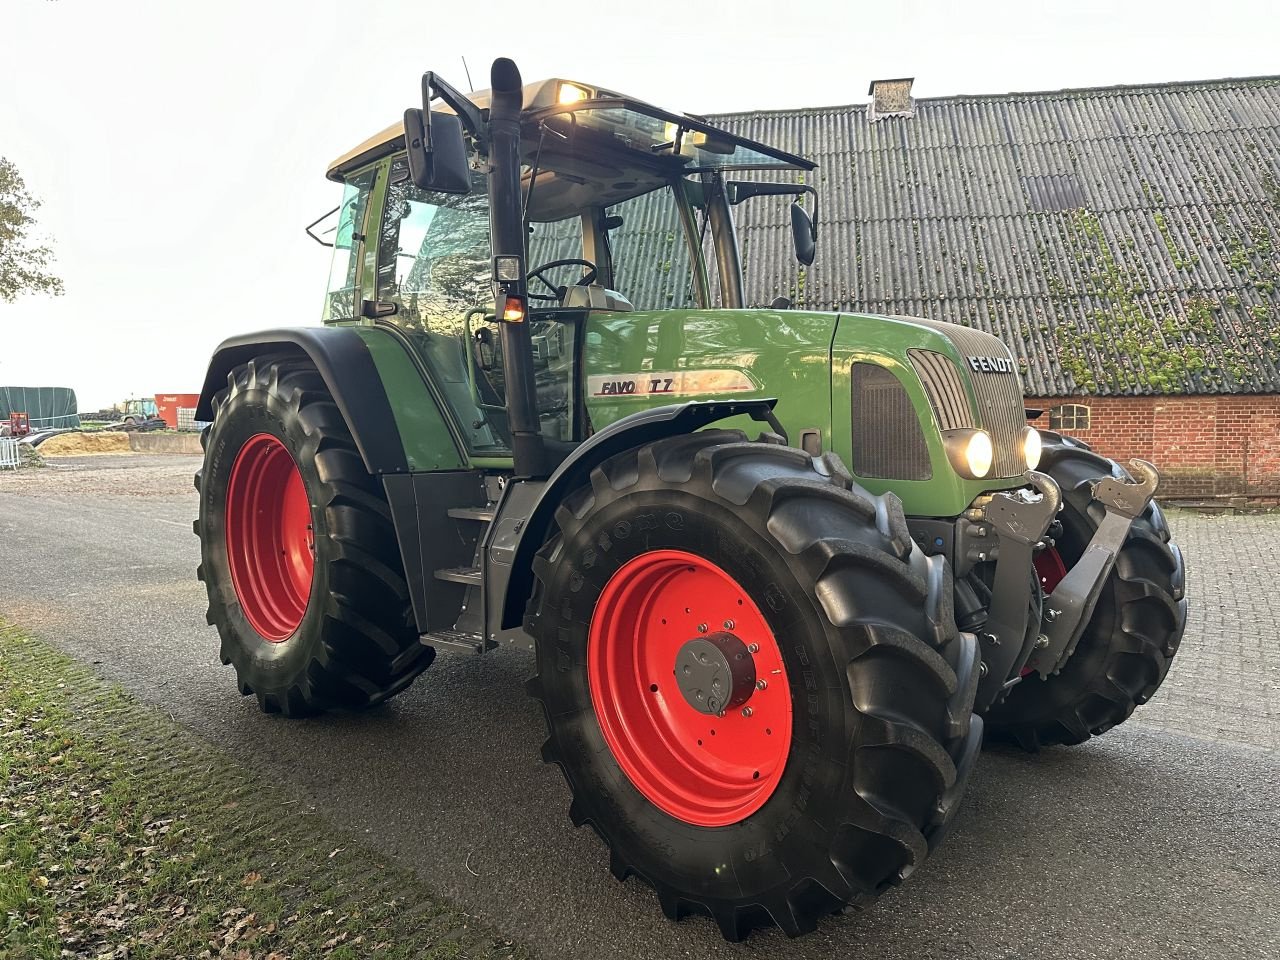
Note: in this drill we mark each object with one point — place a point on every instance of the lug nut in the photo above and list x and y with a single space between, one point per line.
761 684
702 628
753 648
746 711
728 624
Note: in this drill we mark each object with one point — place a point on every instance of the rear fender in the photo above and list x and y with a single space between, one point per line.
343 360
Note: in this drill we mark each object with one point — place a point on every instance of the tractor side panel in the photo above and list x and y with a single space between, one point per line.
424 434
635 361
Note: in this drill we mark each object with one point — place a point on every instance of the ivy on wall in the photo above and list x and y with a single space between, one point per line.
1119 330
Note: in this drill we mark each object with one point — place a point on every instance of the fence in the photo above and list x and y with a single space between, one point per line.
9 453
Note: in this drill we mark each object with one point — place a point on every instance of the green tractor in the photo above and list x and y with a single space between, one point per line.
779 569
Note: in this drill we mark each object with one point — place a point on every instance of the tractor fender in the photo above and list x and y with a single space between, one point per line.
345 364
638 429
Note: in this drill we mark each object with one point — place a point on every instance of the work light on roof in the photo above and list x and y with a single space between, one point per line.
572 93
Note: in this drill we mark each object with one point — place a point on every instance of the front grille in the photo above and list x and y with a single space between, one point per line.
888 442
943 384
999 395
1001 410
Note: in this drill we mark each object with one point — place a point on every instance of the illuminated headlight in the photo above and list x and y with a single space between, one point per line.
1032 446
970 452
572 93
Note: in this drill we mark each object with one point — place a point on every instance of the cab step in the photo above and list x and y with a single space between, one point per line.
457 641
471 576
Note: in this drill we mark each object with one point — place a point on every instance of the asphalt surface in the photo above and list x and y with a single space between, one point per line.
1146 842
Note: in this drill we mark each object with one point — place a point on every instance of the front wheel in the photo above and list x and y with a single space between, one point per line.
1129 642
298 552
752 680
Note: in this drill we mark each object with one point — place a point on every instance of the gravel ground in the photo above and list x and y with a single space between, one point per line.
1160 839
127 476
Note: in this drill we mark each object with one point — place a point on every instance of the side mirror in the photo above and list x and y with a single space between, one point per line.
437 151
802 232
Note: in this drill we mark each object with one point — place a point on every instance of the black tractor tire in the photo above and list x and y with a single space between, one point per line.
881 684
1125 651
356 644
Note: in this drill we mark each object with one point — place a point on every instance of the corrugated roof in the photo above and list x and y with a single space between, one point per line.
1119 240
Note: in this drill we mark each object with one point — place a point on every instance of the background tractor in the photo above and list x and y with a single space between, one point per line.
778 568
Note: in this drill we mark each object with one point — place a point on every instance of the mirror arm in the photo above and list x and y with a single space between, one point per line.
740 190
432 87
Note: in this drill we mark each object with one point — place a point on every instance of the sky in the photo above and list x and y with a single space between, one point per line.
179 147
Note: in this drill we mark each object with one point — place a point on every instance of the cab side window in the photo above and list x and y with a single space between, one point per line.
342 300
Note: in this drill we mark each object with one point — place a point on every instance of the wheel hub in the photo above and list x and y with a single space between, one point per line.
715 673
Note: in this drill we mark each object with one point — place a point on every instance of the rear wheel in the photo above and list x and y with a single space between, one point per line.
1125 651
752 680
298 553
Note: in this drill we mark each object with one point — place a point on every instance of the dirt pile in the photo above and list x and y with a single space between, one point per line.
79 444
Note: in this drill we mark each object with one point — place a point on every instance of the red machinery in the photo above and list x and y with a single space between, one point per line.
19 424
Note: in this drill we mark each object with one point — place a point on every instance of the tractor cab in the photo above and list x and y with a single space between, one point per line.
620 205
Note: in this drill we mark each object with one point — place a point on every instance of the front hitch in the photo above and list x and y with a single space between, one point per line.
1020 519
1068 609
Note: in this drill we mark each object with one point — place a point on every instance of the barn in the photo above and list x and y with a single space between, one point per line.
1123 241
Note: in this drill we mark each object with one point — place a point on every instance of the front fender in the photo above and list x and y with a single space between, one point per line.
638 429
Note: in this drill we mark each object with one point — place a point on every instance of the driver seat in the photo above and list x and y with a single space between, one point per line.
594 297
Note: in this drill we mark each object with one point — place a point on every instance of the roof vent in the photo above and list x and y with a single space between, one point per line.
891 98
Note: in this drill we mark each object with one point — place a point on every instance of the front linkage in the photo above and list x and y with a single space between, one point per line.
1021 519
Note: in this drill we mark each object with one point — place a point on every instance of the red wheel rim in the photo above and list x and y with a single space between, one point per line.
704 769
270 544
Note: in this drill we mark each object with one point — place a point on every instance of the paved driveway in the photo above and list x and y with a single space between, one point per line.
1160 839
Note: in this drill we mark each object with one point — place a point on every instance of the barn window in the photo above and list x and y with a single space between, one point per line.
1069 416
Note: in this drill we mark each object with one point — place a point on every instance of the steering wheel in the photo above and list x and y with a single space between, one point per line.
558 292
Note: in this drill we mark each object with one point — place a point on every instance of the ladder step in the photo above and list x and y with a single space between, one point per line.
483 514
471 576
453 640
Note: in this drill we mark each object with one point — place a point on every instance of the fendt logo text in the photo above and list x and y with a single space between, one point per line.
990 364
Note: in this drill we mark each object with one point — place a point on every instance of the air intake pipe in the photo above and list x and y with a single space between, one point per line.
506 229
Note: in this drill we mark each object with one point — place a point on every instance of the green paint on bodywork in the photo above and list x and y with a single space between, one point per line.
803 358
785 354
427 440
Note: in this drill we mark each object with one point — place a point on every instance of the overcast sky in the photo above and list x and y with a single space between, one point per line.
179 147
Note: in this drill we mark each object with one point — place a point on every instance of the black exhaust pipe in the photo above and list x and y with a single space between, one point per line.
506 227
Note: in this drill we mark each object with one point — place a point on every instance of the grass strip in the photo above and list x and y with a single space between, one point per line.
123 835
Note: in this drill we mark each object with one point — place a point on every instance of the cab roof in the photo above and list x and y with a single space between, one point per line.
546 96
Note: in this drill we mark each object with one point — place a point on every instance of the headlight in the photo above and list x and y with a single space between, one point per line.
970 452
1032 445
572 93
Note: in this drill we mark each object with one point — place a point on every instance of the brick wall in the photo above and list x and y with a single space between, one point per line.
1204 446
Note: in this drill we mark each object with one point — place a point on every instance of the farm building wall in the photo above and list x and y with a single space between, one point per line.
1205 446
